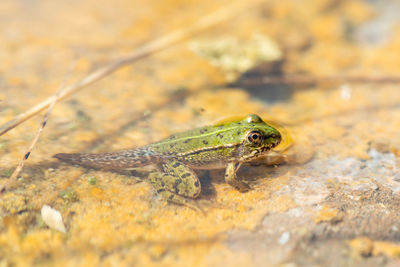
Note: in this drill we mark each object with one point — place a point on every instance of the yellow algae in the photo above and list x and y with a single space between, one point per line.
331 22
13 203
281 204
179 78
82 65
36 244
364 246
224 102
361 151
15 81
241 208
358 11
10 239
42 241
97 193
335 56
157 251
334 132
395 150
328 214
386 248
384 57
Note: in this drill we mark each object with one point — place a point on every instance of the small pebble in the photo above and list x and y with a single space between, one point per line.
345 92
285 237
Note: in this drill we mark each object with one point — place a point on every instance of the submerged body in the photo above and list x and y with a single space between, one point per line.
226 145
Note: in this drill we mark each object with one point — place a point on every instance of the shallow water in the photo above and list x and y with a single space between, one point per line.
337 189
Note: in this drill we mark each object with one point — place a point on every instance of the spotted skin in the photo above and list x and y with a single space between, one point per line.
225 145
176 182
177 178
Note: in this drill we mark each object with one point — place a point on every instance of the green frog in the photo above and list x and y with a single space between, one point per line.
223 145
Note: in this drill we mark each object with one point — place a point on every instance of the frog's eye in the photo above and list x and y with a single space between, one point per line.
253 118
255 137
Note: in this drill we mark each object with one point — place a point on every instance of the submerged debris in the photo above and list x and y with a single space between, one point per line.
53 218
285 237
235 56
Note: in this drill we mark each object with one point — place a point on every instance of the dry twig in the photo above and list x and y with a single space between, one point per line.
307 79
17 170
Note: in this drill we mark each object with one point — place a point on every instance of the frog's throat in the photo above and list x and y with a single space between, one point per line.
257 152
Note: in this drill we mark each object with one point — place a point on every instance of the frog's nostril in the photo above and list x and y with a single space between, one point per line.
275 136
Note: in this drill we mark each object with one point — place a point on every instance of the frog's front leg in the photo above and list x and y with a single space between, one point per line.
232 179
176 182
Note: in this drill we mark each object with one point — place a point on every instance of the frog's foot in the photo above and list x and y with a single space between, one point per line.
179 200
239 185
176 183
233 180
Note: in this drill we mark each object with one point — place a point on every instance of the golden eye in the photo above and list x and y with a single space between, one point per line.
254 137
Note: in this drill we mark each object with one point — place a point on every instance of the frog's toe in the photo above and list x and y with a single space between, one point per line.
179 200
239 185
242 186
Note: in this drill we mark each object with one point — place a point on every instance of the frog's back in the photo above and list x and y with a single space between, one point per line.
200 138
216 143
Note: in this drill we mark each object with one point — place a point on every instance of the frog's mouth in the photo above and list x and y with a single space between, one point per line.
261 150
276 142
268 147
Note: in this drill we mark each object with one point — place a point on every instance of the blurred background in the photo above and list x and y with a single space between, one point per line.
326 71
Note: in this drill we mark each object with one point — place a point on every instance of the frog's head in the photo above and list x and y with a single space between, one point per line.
259 137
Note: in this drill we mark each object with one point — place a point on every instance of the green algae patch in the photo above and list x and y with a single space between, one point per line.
68 195
92 180
236 56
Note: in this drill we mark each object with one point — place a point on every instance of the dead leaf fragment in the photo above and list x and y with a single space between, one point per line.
52 218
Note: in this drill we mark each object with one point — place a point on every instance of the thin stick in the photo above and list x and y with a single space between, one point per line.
176 36
17 170
307 79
